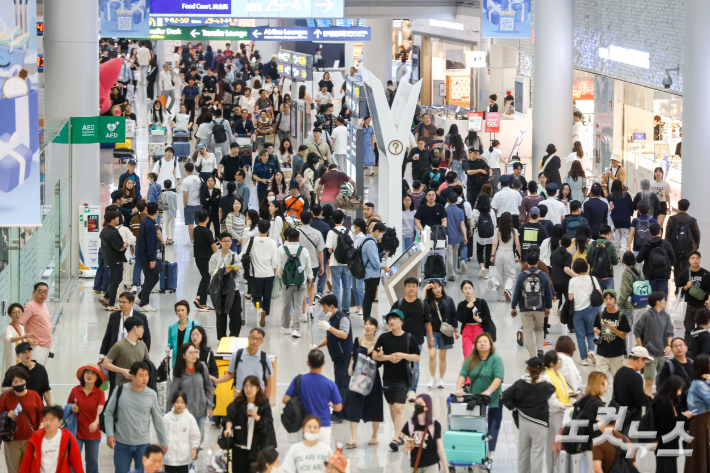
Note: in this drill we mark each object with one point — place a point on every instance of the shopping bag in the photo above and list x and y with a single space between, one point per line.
278 288
494 279
679 306
554 317
363 377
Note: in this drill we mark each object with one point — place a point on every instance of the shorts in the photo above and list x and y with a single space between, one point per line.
395 393
653 367
439 342
664 208
190 214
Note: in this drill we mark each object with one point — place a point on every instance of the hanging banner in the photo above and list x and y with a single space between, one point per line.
506 19
492 122
475 121
125 18
19 116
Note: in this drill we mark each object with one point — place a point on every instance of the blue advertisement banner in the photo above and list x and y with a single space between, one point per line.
191 7
506 19
125 18
295 33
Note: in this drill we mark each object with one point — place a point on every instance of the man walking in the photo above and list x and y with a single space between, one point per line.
127 351
204 249
684 234
264 259
695 286
263 174
373 266
295 270
657 256
250 361
507 200
147 254
338 241
314 243
456 233
533 296
602 258
654 331
191 187
114 250
37 321
340 141
168 81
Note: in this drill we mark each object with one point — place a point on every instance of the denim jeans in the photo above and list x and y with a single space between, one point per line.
101 280
123 455
340 276
457 167
463 252
137 269
358 286
201 425
320 286
584 330
92 454
416 373
495 416
659 285
407 242
607 283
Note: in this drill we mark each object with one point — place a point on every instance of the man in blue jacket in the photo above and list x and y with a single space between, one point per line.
595 210
131 174
533 296
147 253
263 174
373 265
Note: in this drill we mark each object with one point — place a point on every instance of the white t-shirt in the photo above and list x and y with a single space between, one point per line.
302 458
581 287
167 170
572 157
506 245
324 98
50 453
263 254
577 129
166 80
208 163
182 121
493 158
507 200
332 242
555 209
192 185
340 140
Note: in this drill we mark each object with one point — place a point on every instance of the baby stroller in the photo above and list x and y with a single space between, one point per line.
433 267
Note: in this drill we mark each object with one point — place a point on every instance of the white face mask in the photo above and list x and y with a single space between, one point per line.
271 198
329 314
310 436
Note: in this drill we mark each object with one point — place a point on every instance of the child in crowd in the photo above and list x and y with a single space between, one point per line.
168 205
51 439
183 435
417 194
154 188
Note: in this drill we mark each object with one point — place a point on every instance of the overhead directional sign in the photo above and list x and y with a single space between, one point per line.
295 33
197 33
250 8
188 21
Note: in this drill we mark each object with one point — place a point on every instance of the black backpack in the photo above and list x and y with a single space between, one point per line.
219 132
573 223
682 239
574 448
601 266
344 247
658 262
293 413
389 242
435 267
102 421
356 263
643 232
622 464
532 289
485 226
465 219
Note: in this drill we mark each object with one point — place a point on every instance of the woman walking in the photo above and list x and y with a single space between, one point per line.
179 332
482 232
198 338
443 319
622 210
365 408
580 292
13 336
192 377
558 403
550 165
503 255
309 454
426 453
662 190
666 414
577 181
88 402
474 316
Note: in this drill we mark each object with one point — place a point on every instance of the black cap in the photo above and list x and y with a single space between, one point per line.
293 184
504 179
535 362
23 347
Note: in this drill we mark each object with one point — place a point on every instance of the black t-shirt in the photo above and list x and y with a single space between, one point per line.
531 234
478 179
700 279
39 381
396 372
435 175
209 83
628 391
430 455
416 314
203 242
610 344
559 260
430 215
231 166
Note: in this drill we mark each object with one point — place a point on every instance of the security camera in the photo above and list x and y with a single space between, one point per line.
667 81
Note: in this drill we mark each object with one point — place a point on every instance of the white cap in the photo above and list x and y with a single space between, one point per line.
640 352
615 157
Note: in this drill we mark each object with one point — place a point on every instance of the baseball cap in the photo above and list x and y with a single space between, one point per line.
23 347
640 352
131 161
535 362
201 145
535 211
395 312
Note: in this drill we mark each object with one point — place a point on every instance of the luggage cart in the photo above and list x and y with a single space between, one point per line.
157 142
438 253
466 440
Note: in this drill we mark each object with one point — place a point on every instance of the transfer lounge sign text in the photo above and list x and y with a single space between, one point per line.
198 33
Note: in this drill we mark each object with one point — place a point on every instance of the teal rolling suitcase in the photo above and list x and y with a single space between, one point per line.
466 448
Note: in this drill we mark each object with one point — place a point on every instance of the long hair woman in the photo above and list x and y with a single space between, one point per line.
580 242
662 190
459 150
502 254
426 432
484 244
493 157
474 315
551 244
198 338
666 414
129 193
551 164
443 310
577 154
621 214
580 290
557 404
483 371
577 181
279 186
191 376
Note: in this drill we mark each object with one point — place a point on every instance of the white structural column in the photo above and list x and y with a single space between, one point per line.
696 129
71 89
377 53
552 77
265 48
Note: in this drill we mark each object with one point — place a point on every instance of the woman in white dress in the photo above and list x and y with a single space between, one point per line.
577 154
14 335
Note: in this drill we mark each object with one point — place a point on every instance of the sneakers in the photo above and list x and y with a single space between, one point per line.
196 302
440 384
295 334
546 342
190 243
506 293
317 297
169 242
482 273
304 318
431 383
97 292
147 308
592 357
134 289
462 266
262 321
411 396
584 363
540 354
205 308
286 331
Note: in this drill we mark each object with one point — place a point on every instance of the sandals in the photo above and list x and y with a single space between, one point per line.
373 442
351 445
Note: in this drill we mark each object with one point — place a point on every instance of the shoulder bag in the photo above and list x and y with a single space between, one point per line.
446 328
421 447
595 298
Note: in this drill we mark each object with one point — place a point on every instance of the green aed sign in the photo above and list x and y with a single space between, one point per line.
86 130
199 33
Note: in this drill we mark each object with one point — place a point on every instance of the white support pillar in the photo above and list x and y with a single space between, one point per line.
266 48
377 53
696 129
552 77
71 86
348 58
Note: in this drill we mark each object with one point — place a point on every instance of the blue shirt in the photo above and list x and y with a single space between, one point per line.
371 258
316 392
454 217
147 244
190 93
263 171
519 299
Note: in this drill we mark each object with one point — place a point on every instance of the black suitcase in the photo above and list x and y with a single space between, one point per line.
124 154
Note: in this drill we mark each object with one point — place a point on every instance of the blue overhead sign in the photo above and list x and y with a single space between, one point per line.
296 33
250 8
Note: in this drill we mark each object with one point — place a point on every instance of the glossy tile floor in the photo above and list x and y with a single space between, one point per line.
78 338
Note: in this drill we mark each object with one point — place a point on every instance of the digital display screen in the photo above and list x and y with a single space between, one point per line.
324 23
40 28
639 136
40 63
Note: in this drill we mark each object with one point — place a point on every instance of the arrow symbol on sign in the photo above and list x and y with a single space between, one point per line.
318 33
194 33
328 5
256 33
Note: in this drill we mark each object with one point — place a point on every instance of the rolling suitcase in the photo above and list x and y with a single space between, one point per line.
466 448
180 136
182 148
168 277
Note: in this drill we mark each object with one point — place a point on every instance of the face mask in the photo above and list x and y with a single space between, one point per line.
271 198
20 388
418 409
328 314
310 436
